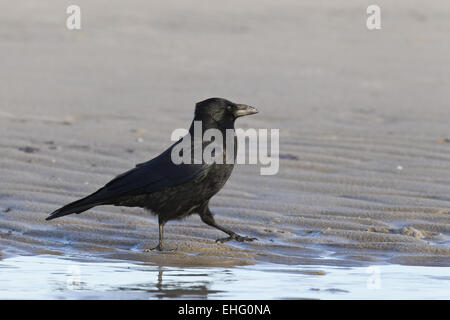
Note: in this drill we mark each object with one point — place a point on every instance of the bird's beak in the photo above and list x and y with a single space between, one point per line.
244 110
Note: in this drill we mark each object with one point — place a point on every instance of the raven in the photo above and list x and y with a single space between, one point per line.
174 191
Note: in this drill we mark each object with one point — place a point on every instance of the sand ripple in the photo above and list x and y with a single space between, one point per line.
363 117
330 203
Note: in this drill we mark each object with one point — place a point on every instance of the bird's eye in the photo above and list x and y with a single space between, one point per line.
229 108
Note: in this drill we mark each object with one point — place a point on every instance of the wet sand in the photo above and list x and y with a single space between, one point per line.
363 116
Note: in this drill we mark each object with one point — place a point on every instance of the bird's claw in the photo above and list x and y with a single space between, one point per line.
236 237
160 249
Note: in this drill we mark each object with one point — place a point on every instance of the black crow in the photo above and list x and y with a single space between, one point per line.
174 191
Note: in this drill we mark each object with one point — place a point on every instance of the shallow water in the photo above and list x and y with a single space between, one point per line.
50 277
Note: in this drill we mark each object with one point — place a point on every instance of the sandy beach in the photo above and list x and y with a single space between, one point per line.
363 115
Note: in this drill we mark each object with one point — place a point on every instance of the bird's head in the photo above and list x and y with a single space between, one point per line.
221 111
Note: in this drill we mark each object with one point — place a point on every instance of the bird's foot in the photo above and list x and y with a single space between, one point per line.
160 248
236 237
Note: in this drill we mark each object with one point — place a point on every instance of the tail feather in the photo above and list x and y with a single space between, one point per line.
78 206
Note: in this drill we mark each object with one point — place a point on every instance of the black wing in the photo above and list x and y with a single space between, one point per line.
154 175
151 176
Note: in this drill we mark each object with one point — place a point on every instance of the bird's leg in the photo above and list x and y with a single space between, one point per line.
208 218
160 247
